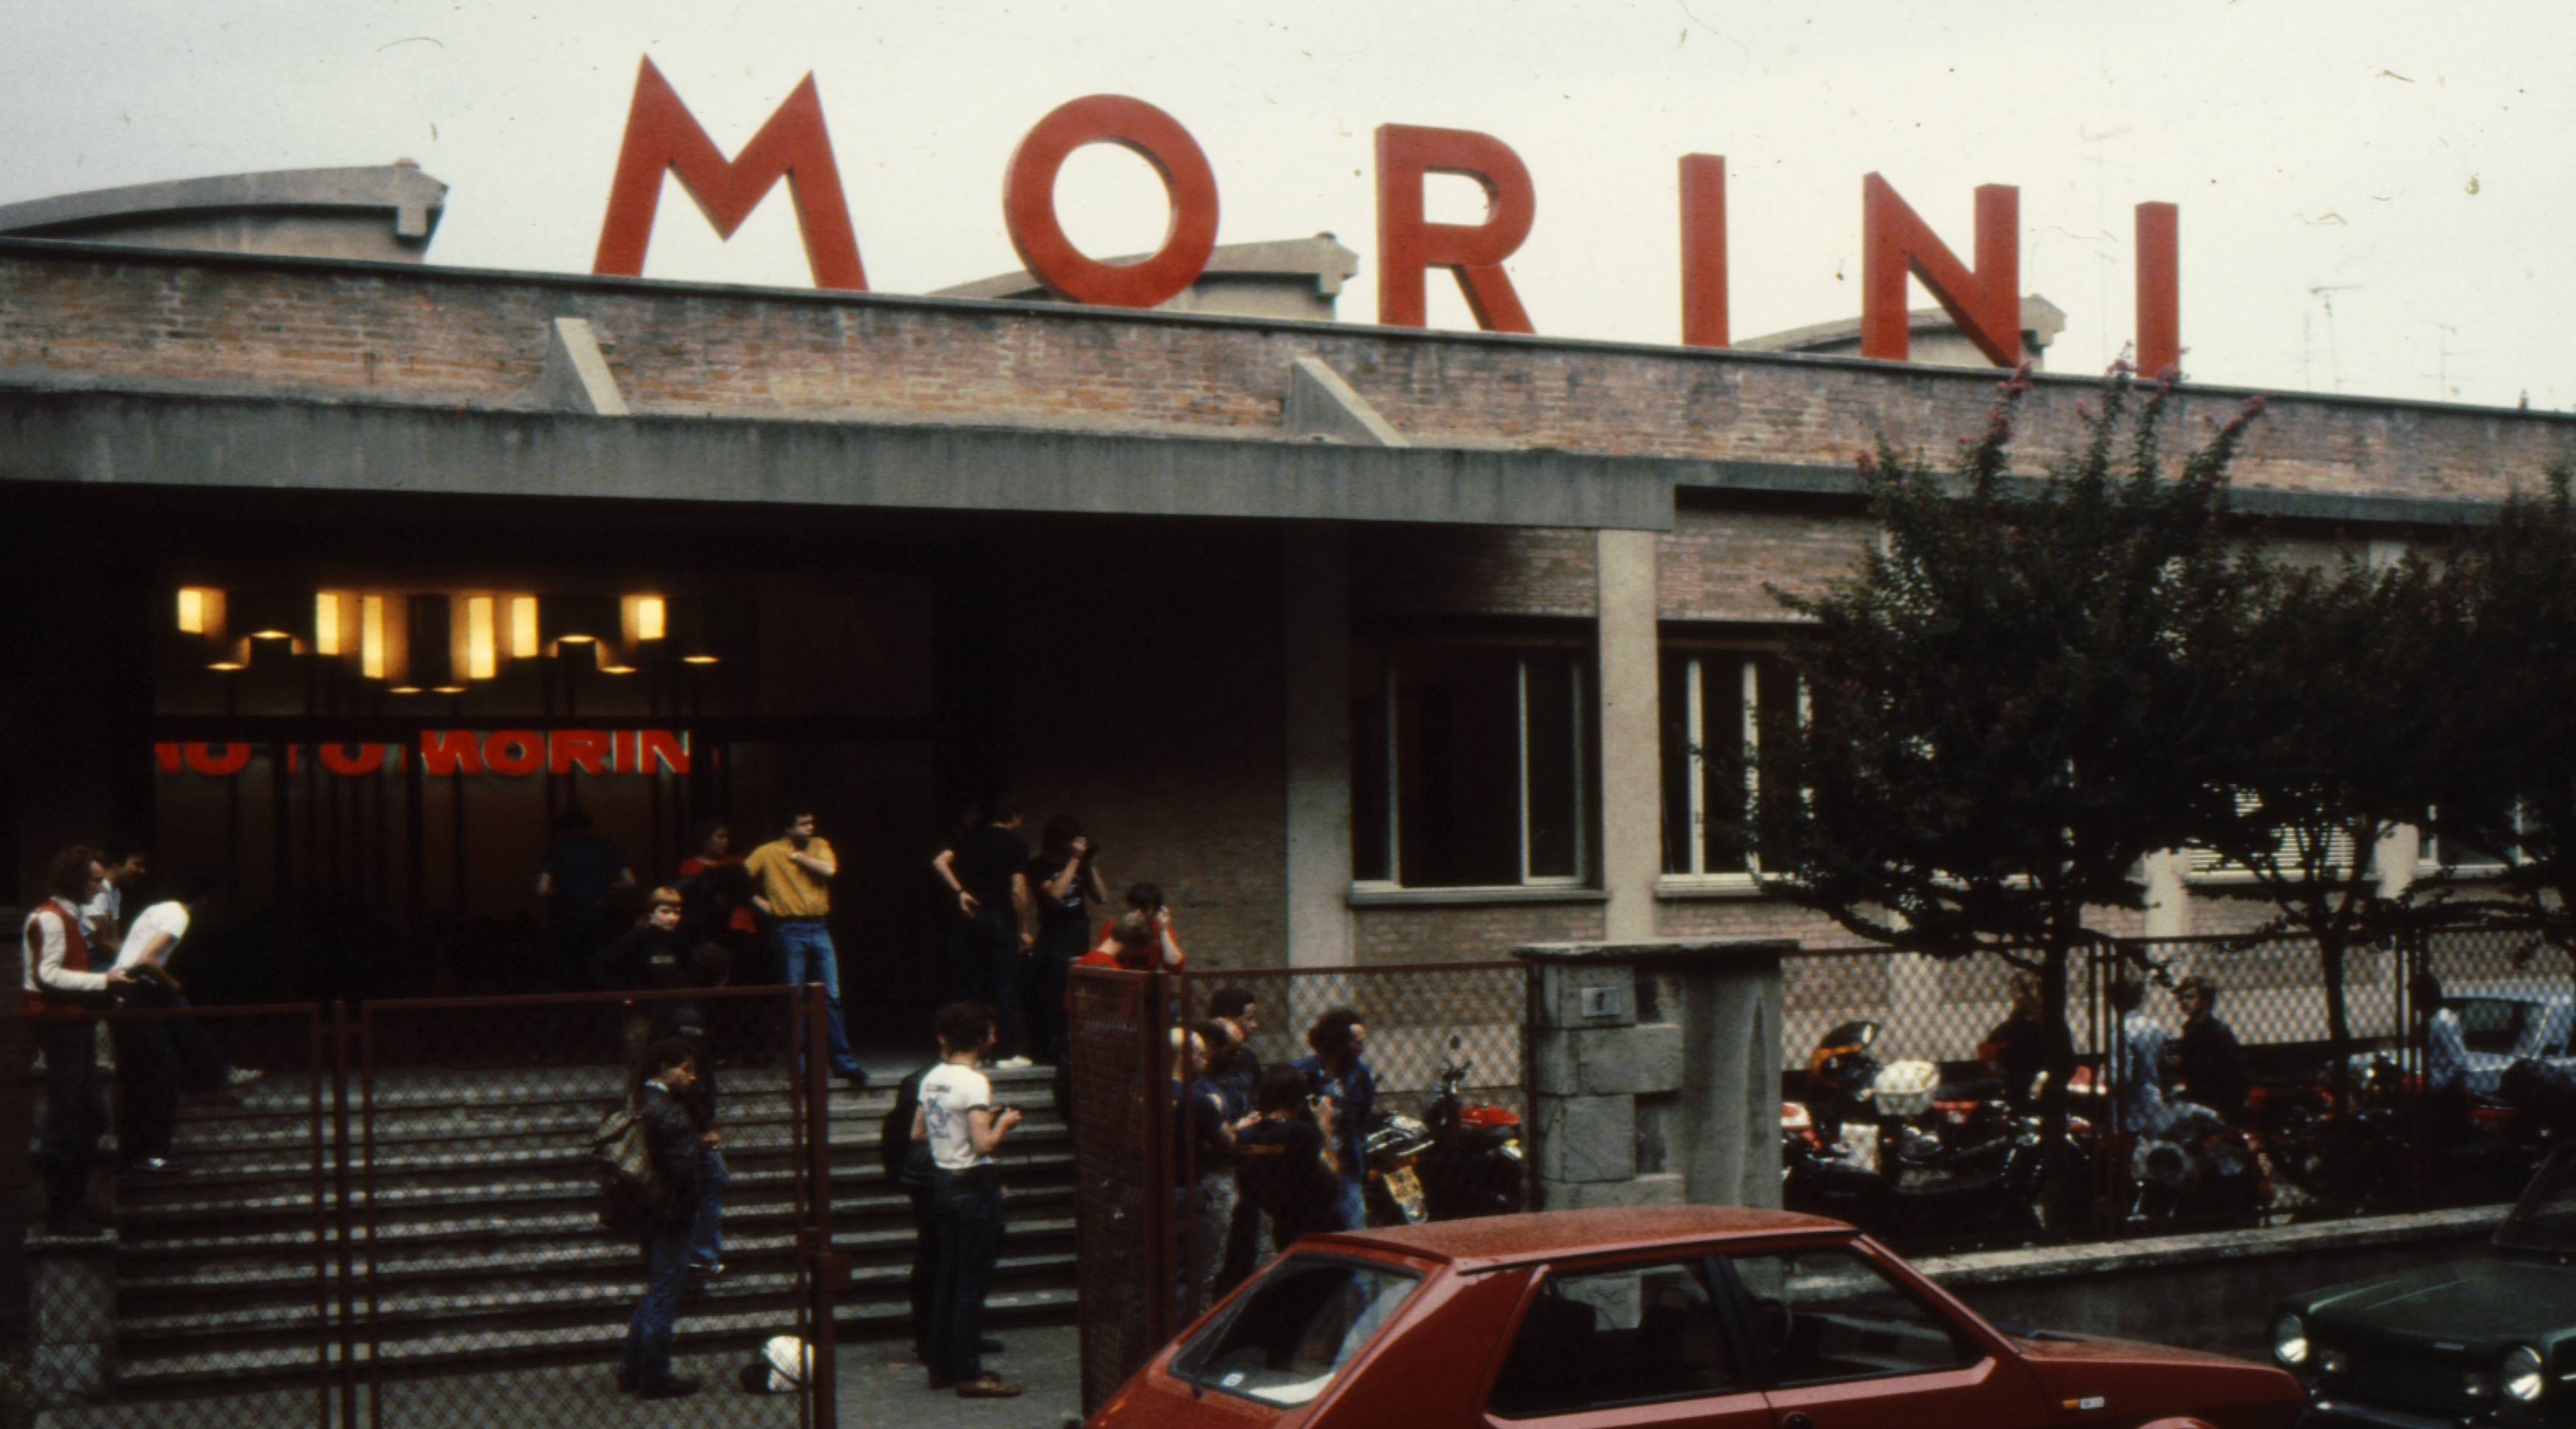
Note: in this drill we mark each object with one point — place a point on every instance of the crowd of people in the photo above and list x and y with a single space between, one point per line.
1269 1154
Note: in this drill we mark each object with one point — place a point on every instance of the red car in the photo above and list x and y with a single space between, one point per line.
1701 1316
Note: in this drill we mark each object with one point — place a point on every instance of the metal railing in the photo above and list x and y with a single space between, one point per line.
386 1214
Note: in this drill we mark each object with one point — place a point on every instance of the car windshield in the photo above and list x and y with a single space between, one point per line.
1282 1341
2545 1217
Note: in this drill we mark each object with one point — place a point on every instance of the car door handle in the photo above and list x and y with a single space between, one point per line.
1797 1420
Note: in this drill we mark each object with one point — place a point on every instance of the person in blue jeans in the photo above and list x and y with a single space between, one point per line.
680 1147
963 1128
794 874
1337 1071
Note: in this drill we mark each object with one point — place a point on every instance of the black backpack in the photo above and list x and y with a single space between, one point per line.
907 1166
632 1197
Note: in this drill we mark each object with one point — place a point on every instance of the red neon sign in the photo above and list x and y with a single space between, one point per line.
1897 245
443 753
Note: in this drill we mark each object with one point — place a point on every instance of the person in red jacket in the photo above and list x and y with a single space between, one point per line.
64 994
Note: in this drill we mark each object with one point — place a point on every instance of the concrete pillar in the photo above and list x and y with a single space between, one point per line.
1655 1073
1315 610
1632 780
2168 895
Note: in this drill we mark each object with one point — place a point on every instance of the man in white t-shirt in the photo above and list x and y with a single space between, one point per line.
166 1056
963 1127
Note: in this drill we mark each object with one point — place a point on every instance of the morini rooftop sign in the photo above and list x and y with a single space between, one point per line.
662 136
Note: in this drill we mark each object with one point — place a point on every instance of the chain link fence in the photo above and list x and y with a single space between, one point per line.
2201 1084
1219 1116
391 1216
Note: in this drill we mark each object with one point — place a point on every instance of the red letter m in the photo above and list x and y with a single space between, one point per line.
661 134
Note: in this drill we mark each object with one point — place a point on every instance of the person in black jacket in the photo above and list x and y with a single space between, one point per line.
2209 1063
677 1141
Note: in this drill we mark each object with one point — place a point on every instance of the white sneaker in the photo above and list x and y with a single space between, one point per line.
243 1076
1013 1064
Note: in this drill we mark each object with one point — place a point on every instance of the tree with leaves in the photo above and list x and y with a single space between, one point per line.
2335 720
2014 698
2509 752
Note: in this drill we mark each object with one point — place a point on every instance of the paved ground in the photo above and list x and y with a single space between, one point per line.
880 1385
880 1388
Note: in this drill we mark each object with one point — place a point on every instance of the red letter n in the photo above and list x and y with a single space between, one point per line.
1407 246
661 135
1986 304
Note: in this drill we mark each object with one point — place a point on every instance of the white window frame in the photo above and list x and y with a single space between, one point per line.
1579 883
1698 878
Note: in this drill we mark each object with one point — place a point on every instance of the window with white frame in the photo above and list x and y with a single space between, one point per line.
1471 763
1714 705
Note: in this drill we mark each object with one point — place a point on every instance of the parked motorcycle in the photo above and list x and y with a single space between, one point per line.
1458 1160
1895 1150
2475 1146
2196 1167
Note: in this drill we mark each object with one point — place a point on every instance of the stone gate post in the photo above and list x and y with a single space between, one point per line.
1655 1072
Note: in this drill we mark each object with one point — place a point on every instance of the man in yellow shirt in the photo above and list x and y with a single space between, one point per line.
794 874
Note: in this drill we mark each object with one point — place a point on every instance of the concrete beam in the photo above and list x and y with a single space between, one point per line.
1839 483
118 437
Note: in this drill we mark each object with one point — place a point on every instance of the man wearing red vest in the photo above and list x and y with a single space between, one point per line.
64 995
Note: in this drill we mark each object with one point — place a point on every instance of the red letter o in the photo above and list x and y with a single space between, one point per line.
202 759
514 753
1028 202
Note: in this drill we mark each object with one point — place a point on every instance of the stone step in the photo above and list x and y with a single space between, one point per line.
242 1371
535 1293
575 1247
560 1152
485 1243
860 1185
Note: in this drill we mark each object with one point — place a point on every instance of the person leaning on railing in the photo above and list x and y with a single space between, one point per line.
64 995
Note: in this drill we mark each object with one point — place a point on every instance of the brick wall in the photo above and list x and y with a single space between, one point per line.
1466 933
451 336
1474 571
1153 714
1714 564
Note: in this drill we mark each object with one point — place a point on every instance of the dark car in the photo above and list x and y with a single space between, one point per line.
2487 1339
1699 1316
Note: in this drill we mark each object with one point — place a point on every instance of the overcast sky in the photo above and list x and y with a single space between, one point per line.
2375 197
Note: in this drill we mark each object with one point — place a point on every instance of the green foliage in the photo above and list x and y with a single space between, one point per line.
2509 753
2337 708
2017 696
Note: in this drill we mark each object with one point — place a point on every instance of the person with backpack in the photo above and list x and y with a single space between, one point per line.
909 1169
674 1143
963 1128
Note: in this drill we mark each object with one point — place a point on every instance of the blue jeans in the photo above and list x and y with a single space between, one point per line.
970 1240
647 1361
805 955
706 1227
1350 1204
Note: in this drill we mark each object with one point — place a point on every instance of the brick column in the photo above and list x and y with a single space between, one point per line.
1632 779
1655 1073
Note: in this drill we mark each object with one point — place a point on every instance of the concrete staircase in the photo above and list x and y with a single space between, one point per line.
484 1249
